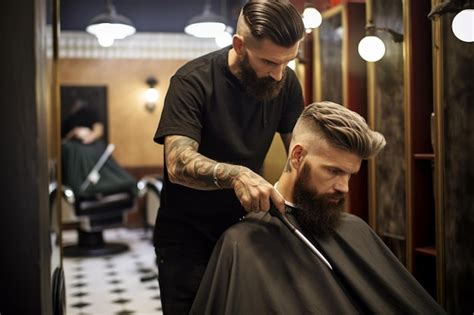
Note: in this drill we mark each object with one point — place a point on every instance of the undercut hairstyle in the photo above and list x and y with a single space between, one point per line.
341 127
276 20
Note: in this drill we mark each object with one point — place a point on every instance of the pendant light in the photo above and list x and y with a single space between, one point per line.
207 24
109 26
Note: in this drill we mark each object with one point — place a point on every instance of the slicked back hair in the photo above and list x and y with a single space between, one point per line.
276 20
342 128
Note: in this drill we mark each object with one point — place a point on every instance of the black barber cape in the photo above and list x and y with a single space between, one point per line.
259 267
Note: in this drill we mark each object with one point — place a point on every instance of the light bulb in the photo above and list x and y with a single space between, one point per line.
371 48
311 18
105 41
463 25
151 95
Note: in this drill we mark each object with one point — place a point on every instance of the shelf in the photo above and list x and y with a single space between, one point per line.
424 156
428 251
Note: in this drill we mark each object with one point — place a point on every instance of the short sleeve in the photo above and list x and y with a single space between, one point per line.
182 112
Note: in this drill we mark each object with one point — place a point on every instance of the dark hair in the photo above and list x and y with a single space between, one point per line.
277 20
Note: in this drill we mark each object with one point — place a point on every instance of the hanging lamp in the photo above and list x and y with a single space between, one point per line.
109 26
207 24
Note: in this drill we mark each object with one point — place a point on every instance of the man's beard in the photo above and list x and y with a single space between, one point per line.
263 89
316 213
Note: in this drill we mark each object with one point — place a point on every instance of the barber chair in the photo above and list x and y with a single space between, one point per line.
96 214
150 189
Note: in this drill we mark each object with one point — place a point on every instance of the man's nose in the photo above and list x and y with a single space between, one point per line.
342 185
277 73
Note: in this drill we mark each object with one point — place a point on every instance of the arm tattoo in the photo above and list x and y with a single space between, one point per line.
189 168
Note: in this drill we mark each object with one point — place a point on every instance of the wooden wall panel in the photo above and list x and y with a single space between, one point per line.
330 43
389 120
458 73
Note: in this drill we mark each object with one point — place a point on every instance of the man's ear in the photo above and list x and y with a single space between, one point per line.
238 44
297 154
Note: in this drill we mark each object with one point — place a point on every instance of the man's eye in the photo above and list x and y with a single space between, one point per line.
335 171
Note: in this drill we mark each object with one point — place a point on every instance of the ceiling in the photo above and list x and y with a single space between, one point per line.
147 15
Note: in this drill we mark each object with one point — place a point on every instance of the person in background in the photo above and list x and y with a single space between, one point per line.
82 123
220 116
260 267
83 145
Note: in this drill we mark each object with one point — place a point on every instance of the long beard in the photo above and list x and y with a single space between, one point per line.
263 89
316 212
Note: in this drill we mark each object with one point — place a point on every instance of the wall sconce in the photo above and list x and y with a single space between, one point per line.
371 48
463 22
311 18
151 94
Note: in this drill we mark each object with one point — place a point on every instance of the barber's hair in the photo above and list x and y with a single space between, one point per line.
342 128
276 20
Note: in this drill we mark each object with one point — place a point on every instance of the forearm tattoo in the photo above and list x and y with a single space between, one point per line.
189 168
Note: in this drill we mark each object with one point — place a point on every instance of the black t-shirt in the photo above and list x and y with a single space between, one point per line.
207 103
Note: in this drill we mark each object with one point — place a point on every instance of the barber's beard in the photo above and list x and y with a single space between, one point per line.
317 213
263 89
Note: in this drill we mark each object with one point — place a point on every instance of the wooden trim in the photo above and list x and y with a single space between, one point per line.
317 66
345 57
372 171
56 115
437 39
407 100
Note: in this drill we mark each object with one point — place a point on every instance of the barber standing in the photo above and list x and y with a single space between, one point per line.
219 118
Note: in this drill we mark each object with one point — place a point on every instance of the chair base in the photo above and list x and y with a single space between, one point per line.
91 244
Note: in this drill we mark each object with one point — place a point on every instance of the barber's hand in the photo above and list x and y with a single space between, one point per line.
255 193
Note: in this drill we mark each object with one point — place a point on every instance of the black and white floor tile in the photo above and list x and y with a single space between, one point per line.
122 284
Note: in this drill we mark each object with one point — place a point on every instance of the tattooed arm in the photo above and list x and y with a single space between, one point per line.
189 168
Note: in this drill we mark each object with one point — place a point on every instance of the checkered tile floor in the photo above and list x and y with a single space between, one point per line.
122 284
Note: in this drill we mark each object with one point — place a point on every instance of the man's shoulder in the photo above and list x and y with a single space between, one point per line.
200 64
351 225
251 225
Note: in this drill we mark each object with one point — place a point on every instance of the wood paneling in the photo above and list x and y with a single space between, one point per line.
458 115
389 120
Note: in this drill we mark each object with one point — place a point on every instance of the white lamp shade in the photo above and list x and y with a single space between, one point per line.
205 29
463 25
371 48
206 25
113 30
311 18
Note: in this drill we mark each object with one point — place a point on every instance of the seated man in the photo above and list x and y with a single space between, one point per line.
260 267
